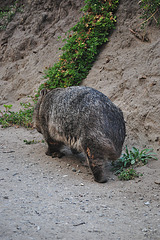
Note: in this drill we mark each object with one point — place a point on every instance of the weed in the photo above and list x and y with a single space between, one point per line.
7 107
32 141
128 174
133 158
151 10
21 118
7 14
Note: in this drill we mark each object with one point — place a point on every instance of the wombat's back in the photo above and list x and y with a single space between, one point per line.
85 120
82 112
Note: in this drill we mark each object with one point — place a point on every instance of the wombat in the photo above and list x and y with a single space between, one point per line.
85 120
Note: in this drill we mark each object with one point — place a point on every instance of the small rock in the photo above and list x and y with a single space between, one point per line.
141 198
157 181
82 184
110 220
6 197
38 228
74 170
147 203
15 174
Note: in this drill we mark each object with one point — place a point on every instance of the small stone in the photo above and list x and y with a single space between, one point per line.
145 230
147 203
82 184
74 170
141 198
6 197
38 228
15 174
110 220
157 181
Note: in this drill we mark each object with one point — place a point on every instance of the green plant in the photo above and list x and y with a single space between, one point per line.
21 118
7 107
32 141
82 44
7 14
151 10
135 157
128 174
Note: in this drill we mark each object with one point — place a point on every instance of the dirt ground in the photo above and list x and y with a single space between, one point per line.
46 198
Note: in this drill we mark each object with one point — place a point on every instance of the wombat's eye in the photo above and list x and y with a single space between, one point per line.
43 92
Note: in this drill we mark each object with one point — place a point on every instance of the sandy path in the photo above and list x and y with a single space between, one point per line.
45 198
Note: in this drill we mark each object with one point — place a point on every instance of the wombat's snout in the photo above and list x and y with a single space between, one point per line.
101 179
99 173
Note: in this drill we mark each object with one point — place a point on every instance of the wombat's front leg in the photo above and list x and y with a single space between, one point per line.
54 149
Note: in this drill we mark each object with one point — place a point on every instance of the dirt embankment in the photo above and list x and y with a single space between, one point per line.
30 44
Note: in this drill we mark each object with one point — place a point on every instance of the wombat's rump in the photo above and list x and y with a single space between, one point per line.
84 119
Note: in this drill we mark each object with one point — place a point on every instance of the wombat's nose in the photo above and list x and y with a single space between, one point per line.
99 176
101 180
99 171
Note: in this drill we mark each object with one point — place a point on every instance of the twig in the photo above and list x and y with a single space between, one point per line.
149 18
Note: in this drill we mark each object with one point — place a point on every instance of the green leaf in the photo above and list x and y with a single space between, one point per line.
133 162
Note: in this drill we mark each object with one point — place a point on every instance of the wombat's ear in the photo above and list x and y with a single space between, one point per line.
43 92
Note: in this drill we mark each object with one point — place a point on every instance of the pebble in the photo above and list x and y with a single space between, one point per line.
110 220
74 170
157 182
141 198
38 228
147 203
6 197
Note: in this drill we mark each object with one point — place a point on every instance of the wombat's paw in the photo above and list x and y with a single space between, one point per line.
57 154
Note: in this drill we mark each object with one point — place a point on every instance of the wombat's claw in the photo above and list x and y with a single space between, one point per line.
57 154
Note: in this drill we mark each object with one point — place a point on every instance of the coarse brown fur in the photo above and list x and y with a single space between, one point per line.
84 119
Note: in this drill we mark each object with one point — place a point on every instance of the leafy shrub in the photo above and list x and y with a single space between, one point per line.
151 10
21 118
82 44
128 174
132 159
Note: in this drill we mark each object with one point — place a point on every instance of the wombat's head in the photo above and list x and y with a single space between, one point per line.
36 114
